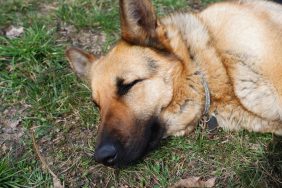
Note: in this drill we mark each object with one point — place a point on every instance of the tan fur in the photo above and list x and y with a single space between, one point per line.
237 46
228 41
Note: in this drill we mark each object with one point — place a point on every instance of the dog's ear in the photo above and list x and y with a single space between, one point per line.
80 61
138 22
140 26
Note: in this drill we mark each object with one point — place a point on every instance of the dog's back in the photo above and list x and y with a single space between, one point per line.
240 42
248 36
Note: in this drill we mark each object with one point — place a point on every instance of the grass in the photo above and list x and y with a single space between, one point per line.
91 14
24 173
9 177
34 73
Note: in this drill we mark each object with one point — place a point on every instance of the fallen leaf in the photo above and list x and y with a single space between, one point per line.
13 32
4 148
14 123
194 182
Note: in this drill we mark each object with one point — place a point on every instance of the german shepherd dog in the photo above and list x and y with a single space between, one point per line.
166 75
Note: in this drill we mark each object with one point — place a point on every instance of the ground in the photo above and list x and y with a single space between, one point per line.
40 94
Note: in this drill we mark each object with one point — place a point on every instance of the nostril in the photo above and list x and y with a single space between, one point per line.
106 154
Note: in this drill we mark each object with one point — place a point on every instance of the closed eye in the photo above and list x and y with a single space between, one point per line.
122 88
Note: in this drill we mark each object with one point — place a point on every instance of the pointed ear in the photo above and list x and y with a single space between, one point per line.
138 21
140 26
80 61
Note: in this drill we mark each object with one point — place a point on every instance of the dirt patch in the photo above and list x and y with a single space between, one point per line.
11 129
68 149
83 38
48 8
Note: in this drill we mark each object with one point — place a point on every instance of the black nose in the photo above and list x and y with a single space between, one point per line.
106 154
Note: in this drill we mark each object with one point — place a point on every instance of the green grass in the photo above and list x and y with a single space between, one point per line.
34 72
9 177
25 173
101 15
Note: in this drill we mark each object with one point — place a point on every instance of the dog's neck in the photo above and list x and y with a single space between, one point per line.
187 104
191 98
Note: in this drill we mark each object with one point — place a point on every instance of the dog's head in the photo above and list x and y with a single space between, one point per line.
133 84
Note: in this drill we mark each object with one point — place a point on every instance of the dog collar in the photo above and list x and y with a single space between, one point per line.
207 120
207 93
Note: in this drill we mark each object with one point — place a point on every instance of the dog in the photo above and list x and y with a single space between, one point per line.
222 66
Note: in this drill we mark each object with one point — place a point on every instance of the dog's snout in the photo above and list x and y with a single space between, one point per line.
106 154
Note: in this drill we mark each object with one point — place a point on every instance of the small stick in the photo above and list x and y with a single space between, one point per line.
56 180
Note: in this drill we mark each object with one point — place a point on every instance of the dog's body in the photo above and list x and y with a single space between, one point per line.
238 47
154 82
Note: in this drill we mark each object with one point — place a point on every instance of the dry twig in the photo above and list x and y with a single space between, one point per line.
56 180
